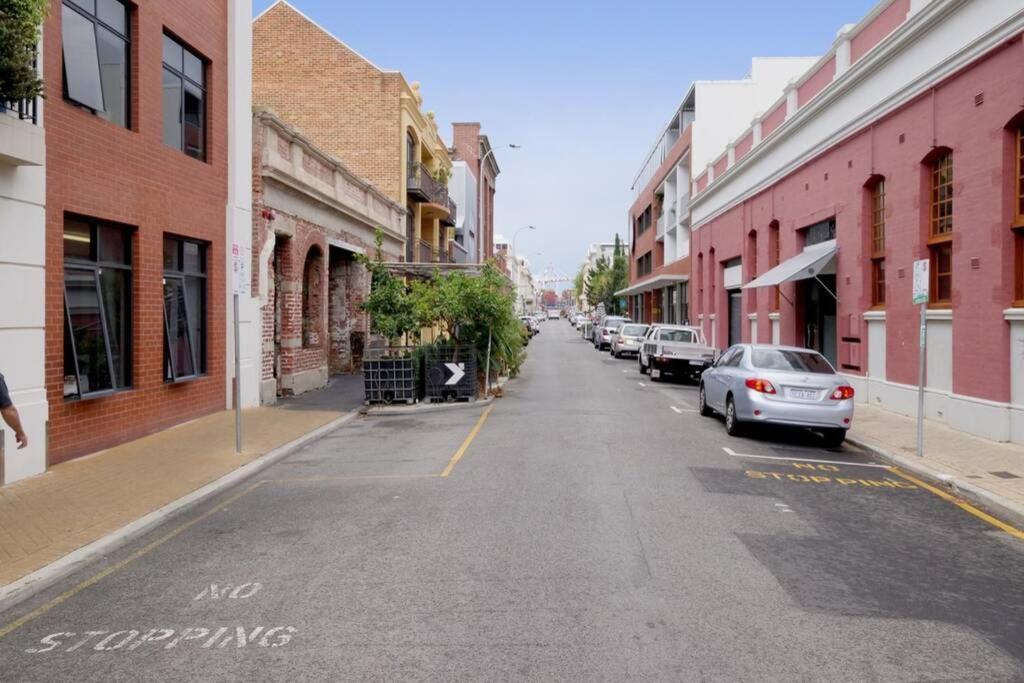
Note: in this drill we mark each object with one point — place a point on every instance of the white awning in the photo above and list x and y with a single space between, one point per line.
815 260
651 284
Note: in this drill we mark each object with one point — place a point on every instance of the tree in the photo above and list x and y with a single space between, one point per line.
597 282
392 314
20 21
619 279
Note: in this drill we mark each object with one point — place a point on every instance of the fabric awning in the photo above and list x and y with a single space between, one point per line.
653 283
814 260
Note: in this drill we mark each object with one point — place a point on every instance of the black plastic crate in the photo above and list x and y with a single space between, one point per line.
387 380
449 373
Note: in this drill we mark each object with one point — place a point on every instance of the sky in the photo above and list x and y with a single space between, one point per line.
585 88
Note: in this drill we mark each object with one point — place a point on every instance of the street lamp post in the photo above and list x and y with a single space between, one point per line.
480 200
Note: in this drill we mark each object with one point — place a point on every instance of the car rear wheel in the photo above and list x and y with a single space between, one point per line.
834 437
702 403
733 426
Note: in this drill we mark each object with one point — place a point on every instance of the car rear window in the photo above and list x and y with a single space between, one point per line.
788 360
685 336
633 330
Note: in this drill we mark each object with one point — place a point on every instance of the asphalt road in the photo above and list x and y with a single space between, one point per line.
594 529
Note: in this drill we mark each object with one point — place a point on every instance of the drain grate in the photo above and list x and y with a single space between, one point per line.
1005 475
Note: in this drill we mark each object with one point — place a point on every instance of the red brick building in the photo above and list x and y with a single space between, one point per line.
311 217
903 143
136 159
469 146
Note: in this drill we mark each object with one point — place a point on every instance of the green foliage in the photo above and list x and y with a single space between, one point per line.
20 22
607 278
467 309
392 313
580 282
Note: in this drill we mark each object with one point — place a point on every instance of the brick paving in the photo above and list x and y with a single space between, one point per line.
946 451
103 492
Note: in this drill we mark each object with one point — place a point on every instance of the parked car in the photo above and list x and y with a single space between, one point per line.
627 340
603 330
531 324
553 314
784 385
677 350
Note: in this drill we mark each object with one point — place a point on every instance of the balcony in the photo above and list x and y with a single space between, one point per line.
426 254
21 140
421 186
660 234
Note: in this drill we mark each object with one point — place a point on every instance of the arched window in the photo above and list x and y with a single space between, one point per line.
1018 210
875 188
774 257
312 298
940 225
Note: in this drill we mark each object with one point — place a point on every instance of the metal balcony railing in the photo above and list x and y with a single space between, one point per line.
22 109
422 185
426 254
661 227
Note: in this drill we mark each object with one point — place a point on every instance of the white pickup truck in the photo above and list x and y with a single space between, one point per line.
677 350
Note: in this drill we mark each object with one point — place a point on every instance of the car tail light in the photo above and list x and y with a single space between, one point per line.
842 393
761 385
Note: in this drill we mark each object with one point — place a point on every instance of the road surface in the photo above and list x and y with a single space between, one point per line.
592 527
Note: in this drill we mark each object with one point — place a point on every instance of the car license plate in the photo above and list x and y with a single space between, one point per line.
803 394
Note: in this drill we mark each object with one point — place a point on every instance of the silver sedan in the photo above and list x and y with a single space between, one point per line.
784 385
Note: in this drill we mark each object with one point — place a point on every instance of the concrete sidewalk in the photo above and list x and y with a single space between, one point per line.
45 518
991 473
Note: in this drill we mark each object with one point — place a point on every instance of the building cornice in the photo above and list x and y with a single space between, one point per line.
905 36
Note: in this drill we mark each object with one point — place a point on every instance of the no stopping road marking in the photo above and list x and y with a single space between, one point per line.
731 452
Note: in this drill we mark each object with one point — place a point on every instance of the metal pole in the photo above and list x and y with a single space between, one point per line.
487 380
923 345
238 381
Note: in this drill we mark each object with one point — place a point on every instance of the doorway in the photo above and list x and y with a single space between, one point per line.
819 306
735 316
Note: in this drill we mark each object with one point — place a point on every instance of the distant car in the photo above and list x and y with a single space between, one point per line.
553 314
783 385
603 330
627 339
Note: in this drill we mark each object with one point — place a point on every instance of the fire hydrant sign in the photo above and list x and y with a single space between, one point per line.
240 271
921 281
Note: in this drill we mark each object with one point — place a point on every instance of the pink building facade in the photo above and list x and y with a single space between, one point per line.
903 143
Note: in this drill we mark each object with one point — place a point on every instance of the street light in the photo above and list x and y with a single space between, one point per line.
480 200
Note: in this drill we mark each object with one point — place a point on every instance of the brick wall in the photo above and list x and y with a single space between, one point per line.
347 106
129 176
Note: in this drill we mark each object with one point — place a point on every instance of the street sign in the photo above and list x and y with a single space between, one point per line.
921 281
241 272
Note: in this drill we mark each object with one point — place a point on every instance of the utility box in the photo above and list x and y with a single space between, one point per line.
449 373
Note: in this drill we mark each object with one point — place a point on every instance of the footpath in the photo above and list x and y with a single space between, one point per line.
48 518
988 473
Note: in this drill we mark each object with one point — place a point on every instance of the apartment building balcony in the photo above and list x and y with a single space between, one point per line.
423 187
661 224
22 141
457 252
426 252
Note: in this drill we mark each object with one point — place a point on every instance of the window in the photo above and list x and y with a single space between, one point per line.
184 86
644 265
774 258
184 309
1019 149
878 243
97 308
788 361
940 233
94 39
1018 280
942 195
684 300
941 273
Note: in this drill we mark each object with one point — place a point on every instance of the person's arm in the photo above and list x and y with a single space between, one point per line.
13 420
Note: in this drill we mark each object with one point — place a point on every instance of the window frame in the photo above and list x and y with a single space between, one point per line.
185 79
937 202
200 351
1018 267
126 36
934 274
877 236
1018 221
96 266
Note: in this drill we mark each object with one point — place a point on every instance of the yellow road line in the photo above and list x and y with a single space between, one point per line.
963 505
465 444
43 609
